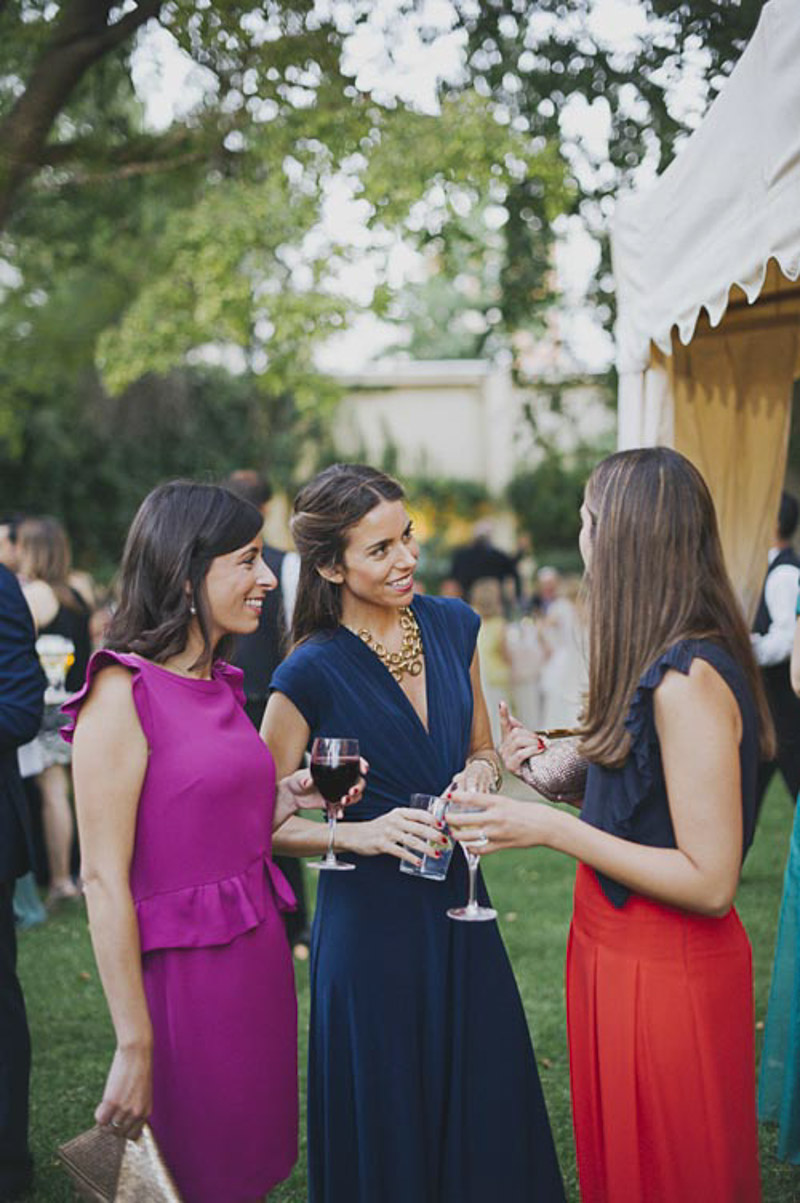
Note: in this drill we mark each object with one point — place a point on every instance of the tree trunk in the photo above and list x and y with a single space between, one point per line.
81 38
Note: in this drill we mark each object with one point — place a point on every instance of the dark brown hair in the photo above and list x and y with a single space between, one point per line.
45 555
178 530
324 511
657 576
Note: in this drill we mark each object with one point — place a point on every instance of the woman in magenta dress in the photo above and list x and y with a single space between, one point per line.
177 802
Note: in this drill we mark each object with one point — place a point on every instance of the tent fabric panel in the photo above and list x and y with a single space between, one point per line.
726 206
732 413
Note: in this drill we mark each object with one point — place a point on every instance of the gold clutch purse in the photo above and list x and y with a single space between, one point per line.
106 1168
559 772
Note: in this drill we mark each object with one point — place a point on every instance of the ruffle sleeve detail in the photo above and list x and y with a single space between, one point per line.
643 765
214 913
99 660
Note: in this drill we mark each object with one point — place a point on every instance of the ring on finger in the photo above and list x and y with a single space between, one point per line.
115 1123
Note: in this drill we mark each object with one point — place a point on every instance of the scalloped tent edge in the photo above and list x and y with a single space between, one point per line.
707 264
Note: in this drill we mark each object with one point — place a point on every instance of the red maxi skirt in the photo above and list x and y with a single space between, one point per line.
662 1059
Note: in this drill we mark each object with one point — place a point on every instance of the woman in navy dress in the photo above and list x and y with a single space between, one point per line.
422 1083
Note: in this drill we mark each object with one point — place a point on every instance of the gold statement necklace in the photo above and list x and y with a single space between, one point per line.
409 658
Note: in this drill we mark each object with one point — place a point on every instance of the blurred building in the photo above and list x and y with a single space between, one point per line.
463 418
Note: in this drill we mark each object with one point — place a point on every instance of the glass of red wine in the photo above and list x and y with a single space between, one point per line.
335 769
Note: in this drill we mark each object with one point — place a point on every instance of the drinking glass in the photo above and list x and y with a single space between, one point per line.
56 656
473 912
335 769
436 861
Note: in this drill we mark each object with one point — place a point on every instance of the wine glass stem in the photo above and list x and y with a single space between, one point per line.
330 856
472 867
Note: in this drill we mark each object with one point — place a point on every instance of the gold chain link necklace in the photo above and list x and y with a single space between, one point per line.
410 657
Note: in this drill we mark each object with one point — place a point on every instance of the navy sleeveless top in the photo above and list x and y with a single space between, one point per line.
631 801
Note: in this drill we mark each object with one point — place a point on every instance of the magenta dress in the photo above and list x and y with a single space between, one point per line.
216 963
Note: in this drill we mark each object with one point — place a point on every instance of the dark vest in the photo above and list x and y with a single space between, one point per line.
783 702
259 654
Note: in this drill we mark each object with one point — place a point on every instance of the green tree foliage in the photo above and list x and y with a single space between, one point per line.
130 253
92 459
530 59
546 499
466 182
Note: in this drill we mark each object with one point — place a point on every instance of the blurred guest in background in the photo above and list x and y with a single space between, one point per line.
486 600
779 1077
58 609
773 633
527 658
259 654
563 672
9 551
481 558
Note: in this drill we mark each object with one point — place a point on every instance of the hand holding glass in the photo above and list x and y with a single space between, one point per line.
436 861
335 769
472 912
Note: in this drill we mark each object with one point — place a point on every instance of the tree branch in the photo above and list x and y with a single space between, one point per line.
81 38
127 171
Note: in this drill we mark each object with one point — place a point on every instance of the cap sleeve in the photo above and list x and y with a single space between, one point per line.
100 660
299 681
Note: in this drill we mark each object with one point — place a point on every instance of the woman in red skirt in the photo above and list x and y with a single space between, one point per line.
659 979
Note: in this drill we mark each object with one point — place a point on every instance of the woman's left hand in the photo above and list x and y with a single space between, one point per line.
298 792
477 776
506 822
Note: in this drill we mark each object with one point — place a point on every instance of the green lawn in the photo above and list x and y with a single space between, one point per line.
72 1035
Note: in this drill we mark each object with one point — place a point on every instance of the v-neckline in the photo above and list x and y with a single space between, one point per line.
377 660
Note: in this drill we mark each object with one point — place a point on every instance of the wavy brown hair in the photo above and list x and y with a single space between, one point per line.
178 530
657 576
324 512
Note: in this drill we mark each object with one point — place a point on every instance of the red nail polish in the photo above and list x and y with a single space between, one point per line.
437 855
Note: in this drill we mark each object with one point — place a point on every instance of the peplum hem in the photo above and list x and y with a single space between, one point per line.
213 913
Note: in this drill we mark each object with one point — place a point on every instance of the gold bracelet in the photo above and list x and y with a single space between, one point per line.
494 765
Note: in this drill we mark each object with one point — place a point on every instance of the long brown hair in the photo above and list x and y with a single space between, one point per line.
324 512
657 576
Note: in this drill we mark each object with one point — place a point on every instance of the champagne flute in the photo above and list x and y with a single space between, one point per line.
473 912
335 769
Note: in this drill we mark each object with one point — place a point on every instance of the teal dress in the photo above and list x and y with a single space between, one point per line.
422 1083
779 1079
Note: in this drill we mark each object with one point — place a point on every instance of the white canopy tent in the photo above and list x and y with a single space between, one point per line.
720 232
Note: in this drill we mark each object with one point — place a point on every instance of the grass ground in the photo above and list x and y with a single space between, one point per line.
72 1035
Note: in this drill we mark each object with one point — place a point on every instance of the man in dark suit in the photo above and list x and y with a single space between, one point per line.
480 559
22 686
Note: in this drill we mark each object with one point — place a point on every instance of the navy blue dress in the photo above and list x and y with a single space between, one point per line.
631 802
422 1083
